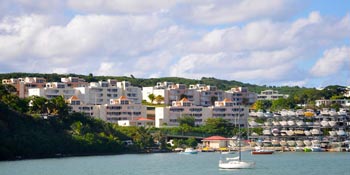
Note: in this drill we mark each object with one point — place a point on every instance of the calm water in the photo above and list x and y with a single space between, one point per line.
179 164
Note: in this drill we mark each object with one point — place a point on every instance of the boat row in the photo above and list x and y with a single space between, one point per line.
300 113
300 123
300 132
289 143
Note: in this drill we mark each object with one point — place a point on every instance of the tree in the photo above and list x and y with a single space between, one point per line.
59 105
262 105
183 96
186 120
217 126
213 99
159 99
38 105
151 97
192 142
279 104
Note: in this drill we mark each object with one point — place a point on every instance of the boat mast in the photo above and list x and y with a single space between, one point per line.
239 134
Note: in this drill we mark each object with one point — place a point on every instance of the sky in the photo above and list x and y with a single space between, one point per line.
302 43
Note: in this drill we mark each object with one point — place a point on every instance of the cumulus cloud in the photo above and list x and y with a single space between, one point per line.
332 62
175 38
121 6
227 11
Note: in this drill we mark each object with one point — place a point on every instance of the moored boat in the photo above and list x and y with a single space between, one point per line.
189 151
260 150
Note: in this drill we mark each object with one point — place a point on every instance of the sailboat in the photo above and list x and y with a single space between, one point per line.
236 162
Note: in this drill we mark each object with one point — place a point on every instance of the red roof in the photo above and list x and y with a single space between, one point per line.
215 138
144 119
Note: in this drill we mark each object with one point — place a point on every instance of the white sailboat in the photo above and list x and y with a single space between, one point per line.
236 162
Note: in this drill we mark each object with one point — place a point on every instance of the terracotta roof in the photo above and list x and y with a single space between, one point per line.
215 138
144 119
184 99
123 98
74 98
227 100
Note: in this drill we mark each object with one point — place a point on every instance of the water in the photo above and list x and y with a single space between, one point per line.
180 164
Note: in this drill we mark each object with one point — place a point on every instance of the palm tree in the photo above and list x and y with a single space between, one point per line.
159 99
151 97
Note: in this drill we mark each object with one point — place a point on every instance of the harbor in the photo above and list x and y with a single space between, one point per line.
301 130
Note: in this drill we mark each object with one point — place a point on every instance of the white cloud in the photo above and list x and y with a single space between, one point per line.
332 62
121 6
167 38
227 11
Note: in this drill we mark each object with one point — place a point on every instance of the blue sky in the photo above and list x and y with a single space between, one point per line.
272 42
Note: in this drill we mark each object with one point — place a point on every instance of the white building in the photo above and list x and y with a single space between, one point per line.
52 90
78 106
132 92
99 93
241 95
270 95
347 92
205 95
23 84
122 109
342 102
199 94
168 116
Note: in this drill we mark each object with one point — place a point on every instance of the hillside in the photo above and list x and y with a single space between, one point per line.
141 82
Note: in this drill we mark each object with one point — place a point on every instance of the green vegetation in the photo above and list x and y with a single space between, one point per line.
47 128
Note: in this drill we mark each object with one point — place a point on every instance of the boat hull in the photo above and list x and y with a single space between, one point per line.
262 152
236 165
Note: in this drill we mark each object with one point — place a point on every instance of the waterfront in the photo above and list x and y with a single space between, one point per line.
289 163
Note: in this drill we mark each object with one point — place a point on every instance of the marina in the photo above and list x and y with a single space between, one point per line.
327 130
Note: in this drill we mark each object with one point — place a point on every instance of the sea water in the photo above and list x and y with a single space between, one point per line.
288 163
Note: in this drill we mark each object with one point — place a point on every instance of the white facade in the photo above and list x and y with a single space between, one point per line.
238 95
205 95
99 93
122 109
52 90
270 95
131 92
199 94
343 102
168 116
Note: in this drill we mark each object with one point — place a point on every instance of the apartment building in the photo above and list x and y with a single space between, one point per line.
74 82
270 95
226 109
23 84
241 96
52 90
199 94
342 102
121 110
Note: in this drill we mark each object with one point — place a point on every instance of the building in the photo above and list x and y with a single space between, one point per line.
205 95
52 90
241 96
122 109
131 92
78 106
99 93
342 102
270 95
217 142
74 82
169 116
199 94
23 84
